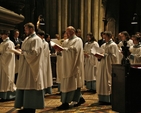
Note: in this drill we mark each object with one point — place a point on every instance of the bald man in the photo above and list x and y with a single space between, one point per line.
72 78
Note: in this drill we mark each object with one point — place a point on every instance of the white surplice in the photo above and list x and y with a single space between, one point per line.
104 71
48 81
129 43
120 45
73 65
7 66
136 52
59 68
90 62
30 74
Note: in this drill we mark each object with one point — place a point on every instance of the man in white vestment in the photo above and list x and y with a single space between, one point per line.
103 84
59 66
30 84
72 78
47 72
7 68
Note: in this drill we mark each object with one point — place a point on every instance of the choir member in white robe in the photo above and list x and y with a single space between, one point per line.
103 80
135 56
72 78
7 68
30 83
59 66
47 72
90 63
125 37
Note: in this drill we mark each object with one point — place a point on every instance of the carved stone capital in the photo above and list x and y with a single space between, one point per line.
8 18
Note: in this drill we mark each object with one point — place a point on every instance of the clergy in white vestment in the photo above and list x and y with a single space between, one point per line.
104 71
7 67
59 66
135 50
90 63
72 78
30 84
47 72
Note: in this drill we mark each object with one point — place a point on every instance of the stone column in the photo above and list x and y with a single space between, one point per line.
101 17
82 18
69 12
89 16
47 17
95 20
64 14
75 13
85 30
59 18
53 13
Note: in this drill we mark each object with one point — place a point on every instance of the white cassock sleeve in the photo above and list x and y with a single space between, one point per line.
8 61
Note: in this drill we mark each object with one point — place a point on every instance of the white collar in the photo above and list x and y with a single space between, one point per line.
6 39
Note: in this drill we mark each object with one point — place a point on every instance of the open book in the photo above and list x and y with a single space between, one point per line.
15 51
56 46
99 55
97 52
56 41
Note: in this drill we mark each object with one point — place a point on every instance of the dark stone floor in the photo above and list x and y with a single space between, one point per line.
52 101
